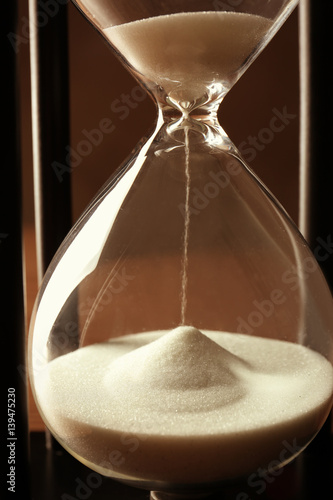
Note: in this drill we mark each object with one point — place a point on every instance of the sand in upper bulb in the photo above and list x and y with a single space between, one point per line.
185 406
184 53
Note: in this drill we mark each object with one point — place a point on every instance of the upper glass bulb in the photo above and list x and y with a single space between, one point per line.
187 51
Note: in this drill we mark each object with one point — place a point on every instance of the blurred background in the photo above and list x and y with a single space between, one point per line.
101 91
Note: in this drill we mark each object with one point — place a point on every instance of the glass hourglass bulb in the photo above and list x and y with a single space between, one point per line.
183 331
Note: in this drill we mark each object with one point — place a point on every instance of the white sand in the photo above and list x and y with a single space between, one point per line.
178 406
183 53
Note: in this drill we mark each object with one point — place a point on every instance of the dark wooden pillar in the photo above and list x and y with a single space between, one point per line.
15 434
50 129
316 181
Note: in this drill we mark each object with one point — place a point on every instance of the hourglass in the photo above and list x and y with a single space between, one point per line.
182 335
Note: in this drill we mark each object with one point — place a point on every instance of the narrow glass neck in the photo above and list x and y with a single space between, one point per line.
202 110
200 118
